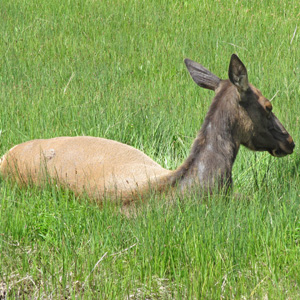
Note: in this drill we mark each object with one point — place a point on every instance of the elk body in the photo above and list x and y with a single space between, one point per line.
239 115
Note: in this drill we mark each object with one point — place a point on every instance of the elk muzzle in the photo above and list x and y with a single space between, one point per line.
285 143
284 148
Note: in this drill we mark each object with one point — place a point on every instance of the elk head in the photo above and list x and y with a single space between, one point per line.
259 128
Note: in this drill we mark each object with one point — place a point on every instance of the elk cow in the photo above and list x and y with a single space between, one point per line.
238 115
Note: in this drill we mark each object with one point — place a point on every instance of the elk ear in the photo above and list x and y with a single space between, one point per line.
238 73
202 76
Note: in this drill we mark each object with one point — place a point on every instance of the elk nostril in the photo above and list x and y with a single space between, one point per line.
292 144
290 140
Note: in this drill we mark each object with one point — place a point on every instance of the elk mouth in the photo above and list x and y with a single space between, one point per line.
278 153
283 150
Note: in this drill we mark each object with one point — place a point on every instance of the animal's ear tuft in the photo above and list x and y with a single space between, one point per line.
238 73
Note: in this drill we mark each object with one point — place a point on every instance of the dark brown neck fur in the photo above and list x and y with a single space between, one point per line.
216 146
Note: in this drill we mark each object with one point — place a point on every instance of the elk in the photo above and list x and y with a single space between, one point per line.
238 115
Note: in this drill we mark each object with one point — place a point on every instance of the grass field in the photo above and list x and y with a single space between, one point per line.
115 69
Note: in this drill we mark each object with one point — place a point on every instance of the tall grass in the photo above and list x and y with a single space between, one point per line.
115 69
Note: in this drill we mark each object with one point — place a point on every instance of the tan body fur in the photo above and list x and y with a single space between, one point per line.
96 166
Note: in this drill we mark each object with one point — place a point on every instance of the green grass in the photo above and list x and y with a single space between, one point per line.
115 69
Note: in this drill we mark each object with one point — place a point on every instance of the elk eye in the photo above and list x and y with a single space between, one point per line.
269 110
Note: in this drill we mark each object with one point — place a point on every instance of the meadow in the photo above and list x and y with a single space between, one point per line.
115 69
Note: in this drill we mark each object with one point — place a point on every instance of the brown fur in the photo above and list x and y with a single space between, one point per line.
239 114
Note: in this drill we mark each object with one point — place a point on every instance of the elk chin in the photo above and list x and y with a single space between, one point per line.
277 153
283 149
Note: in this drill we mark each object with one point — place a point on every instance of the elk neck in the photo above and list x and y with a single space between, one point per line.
215 147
